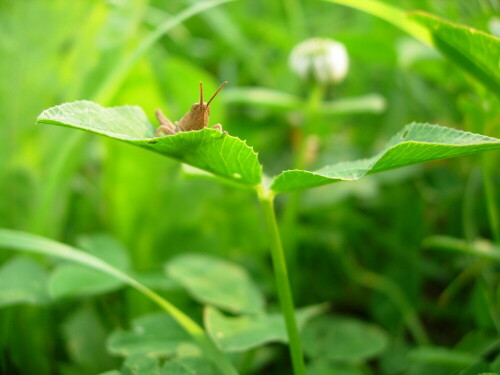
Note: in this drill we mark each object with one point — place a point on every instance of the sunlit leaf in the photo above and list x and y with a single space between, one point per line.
216 282
23 280
249 331
339 338
416 143
221 154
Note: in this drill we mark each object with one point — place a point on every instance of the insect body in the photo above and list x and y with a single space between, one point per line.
195 119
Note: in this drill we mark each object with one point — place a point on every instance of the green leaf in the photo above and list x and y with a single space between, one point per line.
391 14
152 335
250 331
75 280
207 149
216 282
23 280
416 143
343 339
107 248
474 51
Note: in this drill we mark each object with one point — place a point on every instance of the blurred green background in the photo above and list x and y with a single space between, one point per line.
355 245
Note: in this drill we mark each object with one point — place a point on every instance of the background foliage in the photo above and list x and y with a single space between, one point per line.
365 247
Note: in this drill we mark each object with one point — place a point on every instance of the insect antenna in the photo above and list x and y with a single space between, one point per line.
201 93
213 96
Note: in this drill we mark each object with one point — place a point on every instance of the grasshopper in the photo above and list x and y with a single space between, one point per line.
195 119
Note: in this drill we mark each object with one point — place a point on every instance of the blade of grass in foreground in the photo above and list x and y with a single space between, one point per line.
26 242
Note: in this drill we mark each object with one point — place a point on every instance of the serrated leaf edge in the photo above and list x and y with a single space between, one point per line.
376 158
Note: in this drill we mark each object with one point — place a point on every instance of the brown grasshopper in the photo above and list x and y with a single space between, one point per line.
195 119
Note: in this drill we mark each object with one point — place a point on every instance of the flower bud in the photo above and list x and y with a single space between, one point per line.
322 59
494 26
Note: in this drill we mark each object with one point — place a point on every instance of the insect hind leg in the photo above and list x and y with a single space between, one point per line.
166 126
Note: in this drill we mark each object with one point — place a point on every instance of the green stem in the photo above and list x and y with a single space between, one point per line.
289 219
459 282
293 9
198 334
266 198
491 203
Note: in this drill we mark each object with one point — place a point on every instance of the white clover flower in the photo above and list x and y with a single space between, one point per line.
494 26
323 59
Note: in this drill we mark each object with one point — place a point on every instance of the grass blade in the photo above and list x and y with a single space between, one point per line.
26 242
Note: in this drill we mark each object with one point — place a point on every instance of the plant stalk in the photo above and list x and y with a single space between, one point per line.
491 202
294 13
196 332
291 212
266 199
